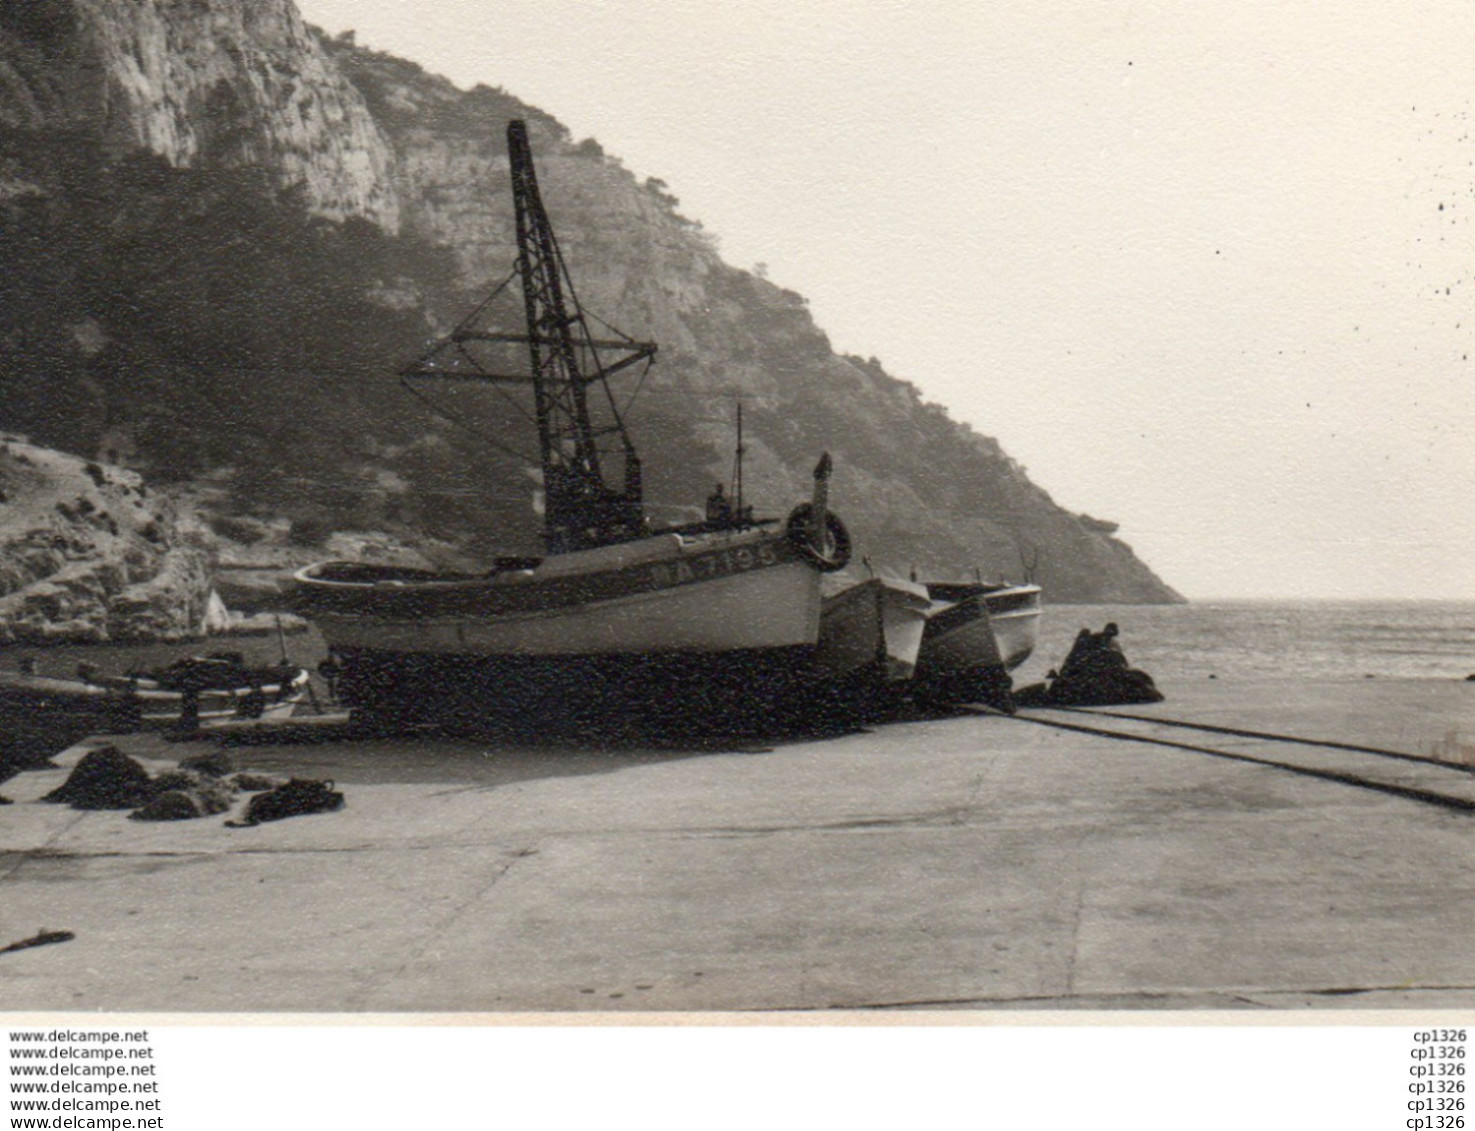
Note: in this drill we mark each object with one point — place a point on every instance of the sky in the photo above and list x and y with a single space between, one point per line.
1204 270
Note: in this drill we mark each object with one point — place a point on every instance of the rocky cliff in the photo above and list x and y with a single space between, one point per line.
87 552
241 82
223 232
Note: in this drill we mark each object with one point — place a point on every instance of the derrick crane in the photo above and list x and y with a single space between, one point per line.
568 366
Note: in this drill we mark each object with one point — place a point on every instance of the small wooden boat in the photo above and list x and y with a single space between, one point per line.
40 715
872 631
1014 615
976 635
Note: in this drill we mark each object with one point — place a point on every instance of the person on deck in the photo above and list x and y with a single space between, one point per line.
719 509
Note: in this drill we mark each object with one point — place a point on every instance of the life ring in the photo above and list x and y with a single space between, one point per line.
835 554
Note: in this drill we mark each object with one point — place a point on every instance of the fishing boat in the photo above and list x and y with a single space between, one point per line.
871 631
41 715
976 634
616 604
1014 615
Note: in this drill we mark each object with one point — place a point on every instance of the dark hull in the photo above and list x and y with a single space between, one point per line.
978 635
987 684
36 727
41 716
587 697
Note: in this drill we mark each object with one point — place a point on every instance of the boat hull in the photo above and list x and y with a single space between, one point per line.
977 635
1014 613
40 716
574 695
773 609
635 621
872 631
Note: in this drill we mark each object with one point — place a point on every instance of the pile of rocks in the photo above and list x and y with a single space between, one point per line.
89 554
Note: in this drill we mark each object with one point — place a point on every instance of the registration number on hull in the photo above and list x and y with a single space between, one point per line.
663 575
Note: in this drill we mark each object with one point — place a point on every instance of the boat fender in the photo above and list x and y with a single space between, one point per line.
834 555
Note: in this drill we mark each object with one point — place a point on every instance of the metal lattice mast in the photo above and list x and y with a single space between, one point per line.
564 431
581 507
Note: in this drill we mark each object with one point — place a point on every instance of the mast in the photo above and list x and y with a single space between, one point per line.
737 467
581 509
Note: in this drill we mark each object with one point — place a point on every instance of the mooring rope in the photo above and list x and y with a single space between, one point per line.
1412 793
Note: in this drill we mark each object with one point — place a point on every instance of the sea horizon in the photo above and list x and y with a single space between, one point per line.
1274 638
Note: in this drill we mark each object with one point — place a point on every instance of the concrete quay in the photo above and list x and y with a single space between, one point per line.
961 863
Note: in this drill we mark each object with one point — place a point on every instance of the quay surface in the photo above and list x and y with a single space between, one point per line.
969 862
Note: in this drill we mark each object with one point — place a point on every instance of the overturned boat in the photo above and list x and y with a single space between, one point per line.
976 635
617 609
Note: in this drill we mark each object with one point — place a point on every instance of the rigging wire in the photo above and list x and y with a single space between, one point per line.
612 329
492 384
505 449
644 373
583 318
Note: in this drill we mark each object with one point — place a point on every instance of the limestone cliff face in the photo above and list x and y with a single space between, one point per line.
228 81
231 84
635 254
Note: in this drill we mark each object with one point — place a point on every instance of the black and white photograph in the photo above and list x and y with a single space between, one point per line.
852 515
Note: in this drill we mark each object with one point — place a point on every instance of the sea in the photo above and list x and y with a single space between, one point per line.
1235 640
1288 640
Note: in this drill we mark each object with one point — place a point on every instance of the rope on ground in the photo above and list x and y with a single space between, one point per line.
1412 793
1270 736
